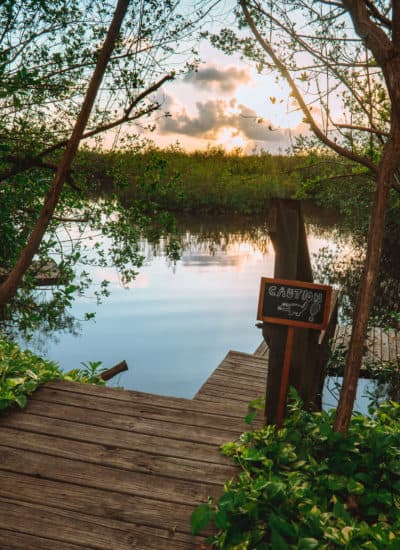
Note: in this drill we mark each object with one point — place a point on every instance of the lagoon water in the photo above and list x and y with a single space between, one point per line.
176 322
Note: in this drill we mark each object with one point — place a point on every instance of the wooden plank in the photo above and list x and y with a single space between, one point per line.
243 358
231 390
238 381
239 378
232 367
259 370
262 349
137 461
79 529
173 403
12 540
103 477
136 424
397 340
112 406
239 362
244 374
222 392
212 399
113 438
101 503
385 346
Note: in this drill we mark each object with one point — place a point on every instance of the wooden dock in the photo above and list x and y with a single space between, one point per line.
95 467
381 345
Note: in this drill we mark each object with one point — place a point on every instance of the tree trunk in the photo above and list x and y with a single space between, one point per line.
292 261
387 167
10 285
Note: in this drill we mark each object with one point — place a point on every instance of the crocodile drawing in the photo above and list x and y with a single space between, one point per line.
293 309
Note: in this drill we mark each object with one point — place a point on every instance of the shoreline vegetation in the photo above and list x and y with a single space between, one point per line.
213 181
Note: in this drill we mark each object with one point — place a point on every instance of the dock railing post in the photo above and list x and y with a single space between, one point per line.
292 261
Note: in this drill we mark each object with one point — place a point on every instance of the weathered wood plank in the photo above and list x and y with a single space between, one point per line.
86 531
255 374
98 502
188 417
224 392
13 540
240 378
110 437
173 403
135 424
262 349
381 345
212 399
137 461
239 383
103 477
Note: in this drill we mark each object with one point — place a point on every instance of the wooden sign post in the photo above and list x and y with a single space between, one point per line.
294 304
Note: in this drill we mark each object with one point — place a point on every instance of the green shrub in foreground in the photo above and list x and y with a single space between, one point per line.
22 372
305 486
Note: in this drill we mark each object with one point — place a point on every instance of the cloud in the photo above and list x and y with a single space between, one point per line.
222 80
214 115
209 119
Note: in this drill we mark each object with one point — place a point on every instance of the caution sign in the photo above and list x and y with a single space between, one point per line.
294 303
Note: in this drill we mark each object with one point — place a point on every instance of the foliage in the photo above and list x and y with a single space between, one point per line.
95 228
339 66
22 372
305 486
47 53
211 181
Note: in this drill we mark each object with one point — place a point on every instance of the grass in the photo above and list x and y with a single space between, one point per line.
211 181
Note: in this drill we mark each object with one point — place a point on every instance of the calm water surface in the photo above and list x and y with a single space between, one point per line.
175 323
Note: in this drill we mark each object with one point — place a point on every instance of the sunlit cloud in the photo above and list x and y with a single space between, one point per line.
224 121
223 80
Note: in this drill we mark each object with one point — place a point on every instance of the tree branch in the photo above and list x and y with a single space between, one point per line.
9 287
324 60
123 119
378 15
299 98
20 165
373 36
363 129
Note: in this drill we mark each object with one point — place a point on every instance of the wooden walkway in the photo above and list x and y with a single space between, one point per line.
95 467
104 468
380 346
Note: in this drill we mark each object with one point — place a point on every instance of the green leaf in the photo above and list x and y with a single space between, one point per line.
355 487
307 544
21 399
200 518
252 454
278 541
282 525
221 520
227 501
250 417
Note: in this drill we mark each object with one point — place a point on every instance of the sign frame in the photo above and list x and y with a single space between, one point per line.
268 281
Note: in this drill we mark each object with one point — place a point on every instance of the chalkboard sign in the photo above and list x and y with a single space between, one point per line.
294 303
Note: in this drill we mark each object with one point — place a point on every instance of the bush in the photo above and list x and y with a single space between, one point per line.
22 372
305 486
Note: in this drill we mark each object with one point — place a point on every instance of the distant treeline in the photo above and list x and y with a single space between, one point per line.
212 181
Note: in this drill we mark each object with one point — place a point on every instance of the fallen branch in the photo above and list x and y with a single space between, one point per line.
110 373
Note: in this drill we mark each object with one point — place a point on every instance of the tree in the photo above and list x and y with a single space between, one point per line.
48 51
341 60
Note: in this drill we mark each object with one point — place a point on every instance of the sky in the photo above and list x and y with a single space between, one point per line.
226 102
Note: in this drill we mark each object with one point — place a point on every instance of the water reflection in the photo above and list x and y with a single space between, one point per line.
177 320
